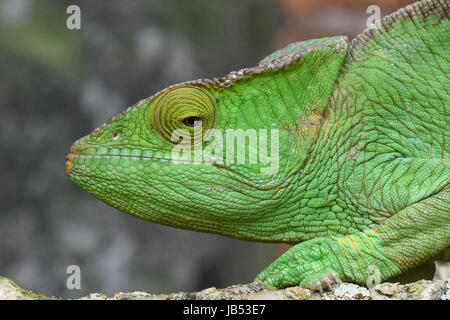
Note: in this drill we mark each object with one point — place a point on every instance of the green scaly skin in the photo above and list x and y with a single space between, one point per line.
363 176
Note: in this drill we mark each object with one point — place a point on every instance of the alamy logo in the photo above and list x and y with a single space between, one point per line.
73 22
241 147
374 276
374 20
74 280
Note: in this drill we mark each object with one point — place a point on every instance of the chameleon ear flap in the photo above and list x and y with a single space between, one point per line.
294 81
302 48
315 65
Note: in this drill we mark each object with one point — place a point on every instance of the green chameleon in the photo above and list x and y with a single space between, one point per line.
358 177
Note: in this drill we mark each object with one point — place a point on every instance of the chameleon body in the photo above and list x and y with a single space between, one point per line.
362 180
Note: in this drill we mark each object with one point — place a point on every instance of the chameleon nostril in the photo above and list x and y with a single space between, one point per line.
116 135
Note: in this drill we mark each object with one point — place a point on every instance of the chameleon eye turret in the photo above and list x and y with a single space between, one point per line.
179 108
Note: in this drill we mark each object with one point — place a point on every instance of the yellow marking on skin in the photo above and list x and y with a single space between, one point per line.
375 229
368 248
354 245
352 242
342 243
315 117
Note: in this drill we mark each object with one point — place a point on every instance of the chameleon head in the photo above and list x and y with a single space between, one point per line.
165 160
218 155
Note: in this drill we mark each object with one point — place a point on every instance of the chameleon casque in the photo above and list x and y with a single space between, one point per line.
363 142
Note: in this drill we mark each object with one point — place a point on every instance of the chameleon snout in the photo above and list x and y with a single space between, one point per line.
69 163
76 149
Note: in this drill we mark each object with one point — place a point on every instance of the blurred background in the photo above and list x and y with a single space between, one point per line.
56 85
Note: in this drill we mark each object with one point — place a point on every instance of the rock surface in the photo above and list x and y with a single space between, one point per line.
420 290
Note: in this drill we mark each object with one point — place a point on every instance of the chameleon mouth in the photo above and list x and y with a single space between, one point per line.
69 163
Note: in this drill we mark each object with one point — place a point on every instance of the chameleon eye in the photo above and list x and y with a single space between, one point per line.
181 108
190 121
